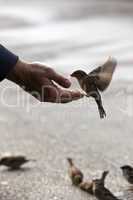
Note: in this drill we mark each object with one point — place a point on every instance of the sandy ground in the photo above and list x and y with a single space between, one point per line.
50 133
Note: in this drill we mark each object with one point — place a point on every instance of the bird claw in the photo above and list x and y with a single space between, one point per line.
102 112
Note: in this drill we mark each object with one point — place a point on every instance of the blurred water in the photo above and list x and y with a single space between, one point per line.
70 34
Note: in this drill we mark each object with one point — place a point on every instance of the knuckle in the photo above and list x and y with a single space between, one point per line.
49 70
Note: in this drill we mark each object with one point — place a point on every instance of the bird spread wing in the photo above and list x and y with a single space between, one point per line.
103 74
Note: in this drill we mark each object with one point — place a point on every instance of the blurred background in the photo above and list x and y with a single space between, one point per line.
67 34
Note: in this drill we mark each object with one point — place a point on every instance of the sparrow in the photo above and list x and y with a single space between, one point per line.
101 181
14 162
75 174
100 191
88 186
96 81
127 173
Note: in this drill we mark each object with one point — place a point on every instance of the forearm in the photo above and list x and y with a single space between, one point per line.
7 61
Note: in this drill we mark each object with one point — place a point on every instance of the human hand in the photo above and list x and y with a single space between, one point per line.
41 82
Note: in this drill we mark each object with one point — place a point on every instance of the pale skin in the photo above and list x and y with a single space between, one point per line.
43 82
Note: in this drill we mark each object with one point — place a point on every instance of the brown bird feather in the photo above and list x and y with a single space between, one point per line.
100 191
87 187
127 171
75 174
13 161
104 194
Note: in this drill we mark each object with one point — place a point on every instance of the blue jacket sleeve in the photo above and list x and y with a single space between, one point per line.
7 61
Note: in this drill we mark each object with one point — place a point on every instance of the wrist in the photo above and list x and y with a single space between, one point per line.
17 74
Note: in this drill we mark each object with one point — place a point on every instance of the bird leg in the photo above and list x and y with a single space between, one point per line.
98 100
101 109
